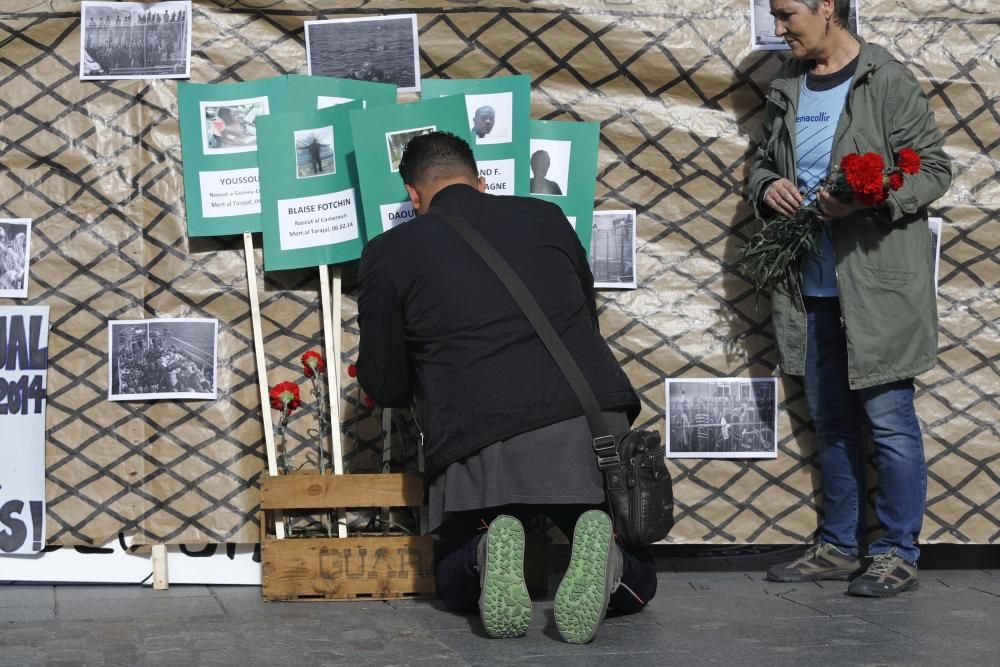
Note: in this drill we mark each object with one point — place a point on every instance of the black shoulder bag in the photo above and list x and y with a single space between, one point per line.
636 481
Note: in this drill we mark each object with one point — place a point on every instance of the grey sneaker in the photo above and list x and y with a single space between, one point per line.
820 562
887 575
594 572
504 604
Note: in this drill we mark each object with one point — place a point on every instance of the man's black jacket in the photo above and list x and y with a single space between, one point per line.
437 325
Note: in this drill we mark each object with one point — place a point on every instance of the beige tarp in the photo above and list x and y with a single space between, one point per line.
678 93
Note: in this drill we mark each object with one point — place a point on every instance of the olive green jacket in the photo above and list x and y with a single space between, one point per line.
883 256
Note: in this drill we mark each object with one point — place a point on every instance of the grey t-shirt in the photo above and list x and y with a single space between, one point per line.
552 465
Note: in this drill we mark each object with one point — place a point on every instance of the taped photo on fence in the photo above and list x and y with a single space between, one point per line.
381 49
162 359
725 418
762 37
230 126
314 152
135 40
612 249
396 143
490 117
550 167
15 255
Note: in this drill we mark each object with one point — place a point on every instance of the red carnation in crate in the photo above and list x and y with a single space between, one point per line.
908 161
285 396
313 363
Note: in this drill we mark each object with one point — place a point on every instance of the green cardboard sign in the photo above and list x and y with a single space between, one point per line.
310 210
218 125
563 163
380 135
498 111
310 93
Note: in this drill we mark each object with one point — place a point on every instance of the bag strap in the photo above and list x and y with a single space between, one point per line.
604 442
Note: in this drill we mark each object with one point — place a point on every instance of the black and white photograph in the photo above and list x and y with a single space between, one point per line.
162 359
549 167
396 142
612 249
230 126
15 254
762 37
314 152
135 40
380 48
724 418
490 117
935 226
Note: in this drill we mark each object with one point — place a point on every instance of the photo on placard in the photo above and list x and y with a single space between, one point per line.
550 167
935 226
135 40
314 154
396 143
722 418
612 249
230 126
15 254
490 116
327 101
162 359
762 26
379 48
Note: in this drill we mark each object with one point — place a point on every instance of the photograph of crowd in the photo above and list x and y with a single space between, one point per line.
133 40
162 359
15 242
612 249
722 418
382 49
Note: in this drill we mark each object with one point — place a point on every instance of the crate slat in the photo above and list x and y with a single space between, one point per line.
329 491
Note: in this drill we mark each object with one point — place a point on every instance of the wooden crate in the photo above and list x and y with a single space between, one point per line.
329 568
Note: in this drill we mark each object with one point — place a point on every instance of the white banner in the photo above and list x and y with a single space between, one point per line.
24 341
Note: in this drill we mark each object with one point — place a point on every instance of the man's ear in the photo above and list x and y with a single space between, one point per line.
414 196
481 184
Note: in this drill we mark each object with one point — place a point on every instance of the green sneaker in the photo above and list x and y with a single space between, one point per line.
820 562
594 572
887 575
504 604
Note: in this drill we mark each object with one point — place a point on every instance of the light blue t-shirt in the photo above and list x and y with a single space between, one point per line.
815 124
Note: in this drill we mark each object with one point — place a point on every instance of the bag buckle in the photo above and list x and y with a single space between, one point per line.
607 452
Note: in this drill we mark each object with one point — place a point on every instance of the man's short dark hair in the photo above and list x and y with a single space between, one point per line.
436 155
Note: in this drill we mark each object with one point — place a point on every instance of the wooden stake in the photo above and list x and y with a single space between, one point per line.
331 342
258 344
160 581
384 516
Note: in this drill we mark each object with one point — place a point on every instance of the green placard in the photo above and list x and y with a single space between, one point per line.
563 161
310 211
219 143
498 112
380 135
310 93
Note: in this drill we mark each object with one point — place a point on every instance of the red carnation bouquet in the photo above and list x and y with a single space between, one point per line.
772 258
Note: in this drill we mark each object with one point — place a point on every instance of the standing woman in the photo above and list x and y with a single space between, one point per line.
865 322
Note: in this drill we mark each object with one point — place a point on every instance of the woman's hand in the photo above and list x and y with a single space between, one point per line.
831 208
783 196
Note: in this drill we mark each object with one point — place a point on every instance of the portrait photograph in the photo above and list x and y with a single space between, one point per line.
612 249
550 167
231 126
734 418
383 49
162 359
135 40
314 154
762 35
15 255
396 143
490 117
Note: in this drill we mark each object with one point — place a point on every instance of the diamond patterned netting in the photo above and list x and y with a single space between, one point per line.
679 96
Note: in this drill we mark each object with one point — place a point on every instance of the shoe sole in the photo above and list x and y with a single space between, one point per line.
798 579
912 586
582 598
504 604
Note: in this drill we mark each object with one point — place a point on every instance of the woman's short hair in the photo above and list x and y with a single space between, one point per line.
841 10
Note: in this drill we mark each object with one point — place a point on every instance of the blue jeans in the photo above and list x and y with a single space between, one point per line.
839 414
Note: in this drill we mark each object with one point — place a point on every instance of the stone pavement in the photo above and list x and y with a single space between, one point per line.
710 610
